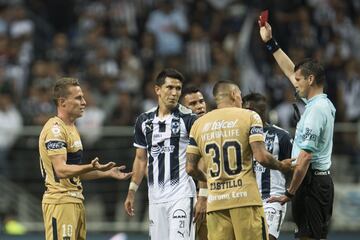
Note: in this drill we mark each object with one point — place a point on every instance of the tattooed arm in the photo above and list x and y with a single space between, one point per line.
192 168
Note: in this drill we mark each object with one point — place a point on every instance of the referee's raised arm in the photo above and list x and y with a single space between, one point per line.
285 63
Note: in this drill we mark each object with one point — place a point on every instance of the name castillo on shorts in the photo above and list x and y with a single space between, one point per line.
226 184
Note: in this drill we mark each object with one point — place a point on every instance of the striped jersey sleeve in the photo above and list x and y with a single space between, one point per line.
139 136
193 147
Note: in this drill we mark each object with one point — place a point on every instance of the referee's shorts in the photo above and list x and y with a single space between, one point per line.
312 205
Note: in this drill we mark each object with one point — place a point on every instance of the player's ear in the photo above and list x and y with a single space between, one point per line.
311 80
233 95
157 90
61 101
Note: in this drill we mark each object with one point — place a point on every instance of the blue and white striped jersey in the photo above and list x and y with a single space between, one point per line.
166 141
279 143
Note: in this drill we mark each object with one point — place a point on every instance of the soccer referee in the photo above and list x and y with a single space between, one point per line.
311 189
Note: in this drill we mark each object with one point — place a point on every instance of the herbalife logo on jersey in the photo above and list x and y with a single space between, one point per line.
218 125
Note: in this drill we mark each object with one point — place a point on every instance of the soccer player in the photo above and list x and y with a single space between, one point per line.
193 98
227 138
61 150
311 188
270 182
161 138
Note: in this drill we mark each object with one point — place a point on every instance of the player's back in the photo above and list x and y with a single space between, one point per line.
223 137
58 138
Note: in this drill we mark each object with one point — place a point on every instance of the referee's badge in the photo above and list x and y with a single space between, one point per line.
175 127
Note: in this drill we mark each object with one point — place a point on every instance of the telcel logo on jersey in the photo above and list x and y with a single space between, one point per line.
217 125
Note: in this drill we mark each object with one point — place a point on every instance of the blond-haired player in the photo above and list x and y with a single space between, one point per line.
61 150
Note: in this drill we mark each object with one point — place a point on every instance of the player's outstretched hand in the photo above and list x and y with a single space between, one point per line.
129 203
265 31
200 209
102 167
116 172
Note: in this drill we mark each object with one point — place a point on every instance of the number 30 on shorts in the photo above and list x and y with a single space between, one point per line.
231 166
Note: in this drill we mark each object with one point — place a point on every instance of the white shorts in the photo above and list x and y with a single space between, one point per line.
275 214
172 220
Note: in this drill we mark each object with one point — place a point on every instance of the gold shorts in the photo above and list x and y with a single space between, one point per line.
64 221
243 223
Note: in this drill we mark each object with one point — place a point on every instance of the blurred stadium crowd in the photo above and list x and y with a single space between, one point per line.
116 47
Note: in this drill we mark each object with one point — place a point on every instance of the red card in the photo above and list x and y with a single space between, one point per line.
264 17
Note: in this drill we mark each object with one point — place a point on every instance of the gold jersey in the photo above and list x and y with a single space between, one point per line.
58 138
222 137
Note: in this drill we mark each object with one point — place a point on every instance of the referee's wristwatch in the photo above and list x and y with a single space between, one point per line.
289 195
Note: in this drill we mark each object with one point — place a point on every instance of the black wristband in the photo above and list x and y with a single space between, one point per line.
289 195
272 45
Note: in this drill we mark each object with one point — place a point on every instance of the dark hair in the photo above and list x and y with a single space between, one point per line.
258 104
168 72
62 86
309 67
189 90
220 84
254 97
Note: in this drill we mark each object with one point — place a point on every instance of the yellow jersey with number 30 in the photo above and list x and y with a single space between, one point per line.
222 137
58 138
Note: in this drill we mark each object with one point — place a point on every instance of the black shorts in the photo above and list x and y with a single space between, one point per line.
312 205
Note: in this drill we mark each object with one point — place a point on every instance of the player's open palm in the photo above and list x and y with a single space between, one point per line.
265 31
117 173
102 167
